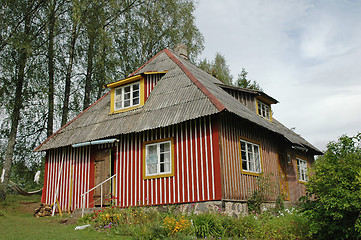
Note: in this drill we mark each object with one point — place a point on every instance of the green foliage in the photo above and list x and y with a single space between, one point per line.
280 206
333 201
147 223
288 224
109 39
218 68
259 194
243 82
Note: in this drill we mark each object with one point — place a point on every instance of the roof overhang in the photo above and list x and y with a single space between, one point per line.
259 94
130 79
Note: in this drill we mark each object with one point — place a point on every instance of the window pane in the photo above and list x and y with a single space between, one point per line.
244 165
135 86
118 98
135 101
118 91
249 148
161 168
127 90
118 105
251 161
255 149
152 168
257 163
243 154
126 96
166 157
161 157
243 146
127 103
152 159
167 167
165 147
152 149
135 94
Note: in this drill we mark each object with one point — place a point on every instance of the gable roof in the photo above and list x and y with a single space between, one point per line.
185 92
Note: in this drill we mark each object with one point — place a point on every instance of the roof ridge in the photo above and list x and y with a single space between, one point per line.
217 103
71 121
146 63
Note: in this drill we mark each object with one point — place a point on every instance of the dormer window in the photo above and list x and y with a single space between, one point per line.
127 96
264 110
132 92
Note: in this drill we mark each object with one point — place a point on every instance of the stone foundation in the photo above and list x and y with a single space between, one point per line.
232 208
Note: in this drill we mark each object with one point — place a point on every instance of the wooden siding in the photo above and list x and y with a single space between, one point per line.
296 188
247 99
196 169
72 168
149 83
235 185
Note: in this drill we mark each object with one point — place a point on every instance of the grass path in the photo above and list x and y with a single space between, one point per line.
18 222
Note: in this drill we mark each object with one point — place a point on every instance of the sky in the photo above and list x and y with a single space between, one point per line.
304 53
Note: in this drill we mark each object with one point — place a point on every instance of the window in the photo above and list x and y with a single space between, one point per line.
263 109
302 170
158 159
250 154
127 96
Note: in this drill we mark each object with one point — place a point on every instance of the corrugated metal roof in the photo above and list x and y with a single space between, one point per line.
185 92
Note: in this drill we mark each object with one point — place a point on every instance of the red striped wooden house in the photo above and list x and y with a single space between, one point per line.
172 134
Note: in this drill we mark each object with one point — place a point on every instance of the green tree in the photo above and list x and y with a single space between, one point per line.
21 17
244 82
333 201
55 57
218 68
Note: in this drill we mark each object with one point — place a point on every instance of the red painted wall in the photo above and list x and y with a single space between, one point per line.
196 169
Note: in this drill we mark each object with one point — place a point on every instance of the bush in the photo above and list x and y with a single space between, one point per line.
146 223
259 194
287 224
333 201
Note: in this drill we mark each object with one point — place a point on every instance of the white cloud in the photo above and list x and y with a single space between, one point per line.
304 53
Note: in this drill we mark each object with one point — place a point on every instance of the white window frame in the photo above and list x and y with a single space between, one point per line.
302 170
251 154
264 110
131 99
170 158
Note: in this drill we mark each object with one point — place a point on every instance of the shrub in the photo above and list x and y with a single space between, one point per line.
146 223
287 224
333 201
259 195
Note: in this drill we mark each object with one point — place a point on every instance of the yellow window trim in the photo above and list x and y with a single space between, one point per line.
279 158
260 156
130 79
270 109
112 96
308 167
172 159
124 81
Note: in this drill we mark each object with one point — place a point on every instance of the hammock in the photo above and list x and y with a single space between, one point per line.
21 191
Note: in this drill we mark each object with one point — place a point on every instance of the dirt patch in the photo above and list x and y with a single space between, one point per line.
28 207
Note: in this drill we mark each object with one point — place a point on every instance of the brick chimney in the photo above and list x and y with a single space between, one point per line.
181 50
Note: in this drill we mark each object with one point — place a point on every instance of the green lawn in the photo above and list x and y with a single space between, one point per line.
18 222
